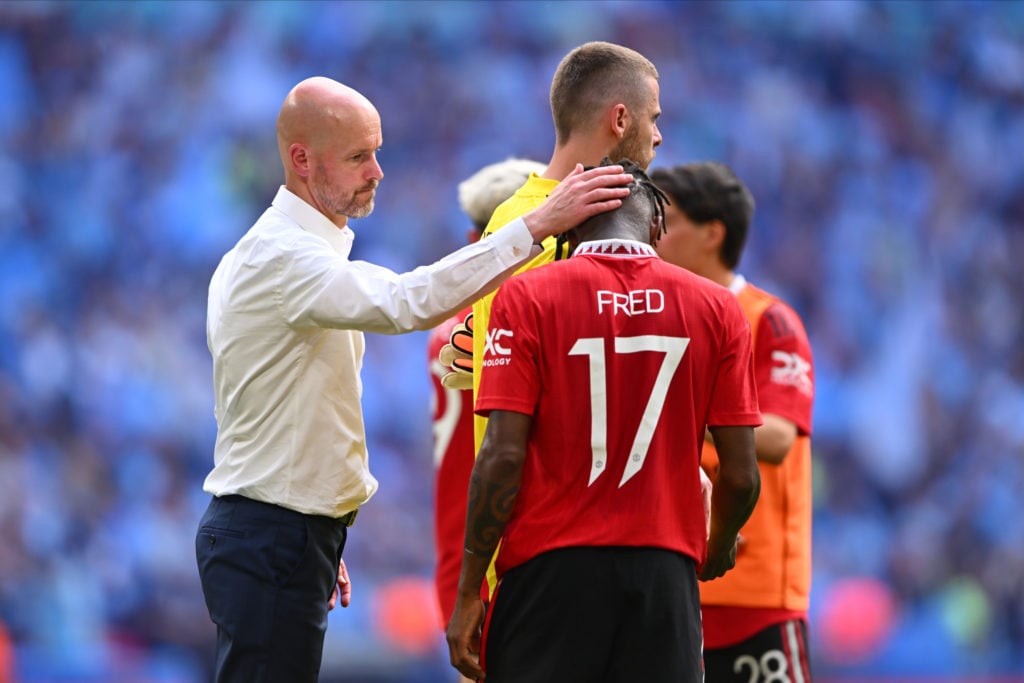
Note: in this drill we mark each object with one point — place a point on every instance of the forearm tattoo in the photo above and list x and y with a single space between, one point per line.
490 506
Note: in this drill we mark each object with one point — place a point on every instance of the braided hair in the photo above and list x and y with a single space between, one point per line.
641 185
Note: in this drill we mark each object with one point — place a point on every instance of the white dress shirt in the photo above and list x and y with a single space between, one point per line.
285 322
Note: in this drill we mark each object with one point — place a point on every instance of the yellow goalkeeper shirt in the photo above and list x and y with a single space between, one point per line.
527 198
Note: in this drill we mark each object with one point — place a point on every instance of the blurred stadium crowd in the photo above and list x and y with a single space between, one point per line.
883 141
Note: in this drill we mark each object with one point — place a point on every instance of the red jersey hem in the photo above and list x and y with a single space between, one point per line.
726 625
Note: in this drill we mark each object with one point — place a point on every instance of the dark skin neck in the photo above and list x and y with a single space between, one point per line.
610 228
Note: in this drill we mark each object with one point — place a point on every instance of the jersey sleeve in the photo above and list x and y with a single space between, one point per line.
734 397
784 366
509 373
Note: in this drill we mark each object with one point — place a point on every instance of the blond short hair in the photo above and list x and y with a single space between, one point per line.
480 193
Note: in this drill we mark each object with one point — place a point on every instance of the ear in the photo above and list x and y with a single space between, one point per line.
655 229
299 155
573 240
714 235
618 120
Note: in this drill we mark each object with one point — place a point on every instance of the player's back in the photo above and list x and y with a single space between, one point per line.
626 349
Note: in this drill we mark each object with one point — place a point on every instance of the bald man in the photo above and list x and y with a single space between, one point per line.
285 320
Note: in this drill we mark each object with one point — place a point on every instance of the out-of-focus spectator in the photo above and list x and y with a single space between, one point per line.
6 656
883 141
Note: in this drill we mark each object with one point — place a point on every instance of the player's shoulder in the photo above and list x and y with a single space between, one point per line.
781 318
278 234
542 283
688 281
754 293
273 236
544 268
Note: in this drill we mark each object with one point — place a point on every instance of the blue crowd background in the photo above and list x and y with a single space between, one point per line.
883 141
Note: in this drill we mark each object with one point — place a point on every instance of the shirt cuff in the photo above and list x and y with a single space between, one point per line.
513 242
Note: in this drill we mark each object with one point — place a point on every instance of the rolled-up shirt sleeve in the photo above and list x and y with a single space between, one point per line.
321 288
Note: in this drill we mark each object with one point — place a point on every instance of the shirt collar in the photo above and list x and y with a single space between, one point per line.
615 247
538 186
311 220
737 284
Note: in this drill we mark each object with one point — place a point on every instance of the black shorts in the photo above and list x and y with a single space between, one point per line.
778 654
596 615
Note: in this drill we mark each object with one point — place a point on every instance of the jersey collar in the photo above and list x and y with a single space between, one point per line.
737 284
615 247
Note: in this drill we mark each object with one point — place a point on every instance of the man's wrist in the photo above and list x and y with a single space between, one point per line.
536 227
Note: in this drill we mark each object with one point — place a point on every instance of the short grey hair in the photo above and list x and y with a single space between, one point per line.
481 193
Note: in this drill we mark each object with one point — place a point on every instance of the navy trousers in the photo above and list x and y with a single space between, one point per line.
267 574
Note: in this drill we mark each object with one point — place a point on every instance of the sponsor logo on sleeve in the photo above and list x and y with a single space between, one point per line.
792 370
495 350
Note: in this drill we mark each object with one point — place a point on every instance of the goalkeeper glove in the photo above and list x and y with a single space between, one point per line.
457 356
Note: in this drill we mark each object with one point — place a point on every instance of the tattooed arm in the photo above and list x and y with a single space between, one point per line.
493 487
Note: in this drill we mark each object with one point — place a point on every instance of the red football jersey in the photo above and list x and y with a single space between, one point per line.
622 360
453 459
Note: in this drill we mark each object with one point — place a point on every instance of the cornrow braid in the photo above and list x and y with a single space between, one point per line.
641 184
562 244
655 196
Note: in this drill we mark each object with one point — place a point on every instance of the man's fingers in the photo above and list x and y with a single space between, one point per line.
594 208
469 666
578 174
600 189
606 191
463 636
600 176
600 183
465 658
576 170
581 195
344 586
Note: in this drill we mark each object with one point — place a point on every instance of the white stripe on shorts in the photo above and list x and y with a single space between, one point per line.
795 652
